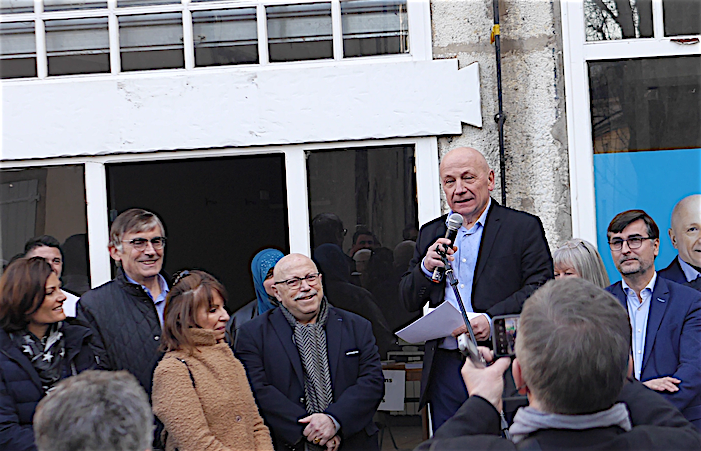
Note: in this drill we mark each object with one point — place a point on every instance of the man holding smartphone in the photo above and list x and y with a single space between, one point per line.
565 326
500 257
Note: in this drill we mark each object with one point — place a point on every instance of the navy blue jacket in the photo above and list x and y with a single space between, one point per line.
673 342
20 387
274 369
673 272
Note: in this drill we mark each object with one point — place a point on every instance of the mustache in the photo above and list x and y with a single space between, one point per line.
305 295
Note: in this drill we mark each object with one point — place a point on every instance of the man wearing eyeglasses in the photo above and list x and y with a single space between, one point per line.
665 317
314 369
126 313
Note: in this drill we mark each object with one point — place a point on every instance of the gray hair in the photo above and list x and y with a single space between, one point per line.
573 346
585 259
134 220
96 410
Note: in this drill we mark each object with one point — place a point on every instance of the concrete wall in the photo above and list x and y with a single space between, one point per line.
537 175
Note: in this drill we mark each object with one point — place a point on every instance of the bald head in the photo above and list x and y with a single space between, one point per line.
304 299
685 232
462 154
467 181
283 266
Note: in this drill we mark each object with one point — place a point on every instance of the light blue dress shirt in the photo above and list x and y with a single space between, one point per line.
159 302
638 312
689 271
468 243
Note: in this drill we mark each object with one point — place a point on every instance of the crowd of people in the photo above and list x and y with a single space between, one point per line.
154 362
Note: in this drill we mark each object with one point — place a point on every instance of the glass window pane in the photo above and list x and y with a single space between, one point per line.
151 41
646 121
646 104
682 17
372 191
125 3
218 213
299 32
47 201
17 50
374 27
16 6
77 46
58 5
607 20
225 36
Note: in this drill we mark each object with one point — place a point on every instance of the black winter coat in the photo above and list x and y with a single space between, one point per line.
657 425
20 387
125 323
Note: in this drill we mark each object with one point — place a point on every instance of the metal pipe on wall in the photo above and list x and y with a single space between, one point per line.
500 117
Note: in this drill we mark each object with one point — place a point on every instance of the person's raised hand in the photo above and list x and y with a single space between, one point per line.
433 258
488 382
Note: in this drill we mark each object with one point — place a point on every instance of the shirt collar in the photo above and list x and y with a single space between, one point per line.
482 219
161 282
689 271
650 286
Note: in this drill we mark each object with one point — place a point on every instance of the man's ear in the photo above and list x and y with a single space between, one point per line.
518 377
115 254
277 294
672 238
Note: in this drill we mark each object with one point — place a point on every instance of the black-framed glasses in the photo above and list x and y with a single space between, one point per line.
634 242
139 244
296 282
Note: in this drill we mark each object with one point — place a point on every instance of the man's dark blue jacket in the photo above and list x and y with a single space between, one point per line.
273 366
673 342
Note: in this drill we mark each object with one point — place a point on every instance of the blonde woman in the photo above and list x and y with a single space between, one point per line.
200 390
579 258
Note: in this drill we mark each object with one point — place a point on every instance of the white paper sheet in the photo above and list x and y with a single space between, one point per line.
438 323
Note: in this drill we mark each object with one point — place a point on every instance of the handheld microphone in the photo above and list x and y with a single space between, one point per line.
454 223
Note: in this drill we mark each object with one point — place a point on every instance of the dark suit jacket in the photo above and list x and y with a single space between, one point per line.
673 272
274 369
673 342
656 426
513 261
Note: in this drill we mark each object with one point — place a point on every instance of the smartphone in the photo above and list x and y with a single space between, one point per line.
504 335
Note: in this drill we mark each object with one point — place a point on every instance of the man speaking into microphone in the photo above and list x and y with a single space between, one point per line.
499 256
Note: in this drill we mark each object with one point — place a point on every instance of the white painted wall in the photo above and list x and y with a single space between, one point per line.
105 114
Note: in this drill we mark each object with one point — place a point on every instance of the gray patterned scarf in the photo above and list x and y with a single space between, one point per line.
310 340
46 353
528 420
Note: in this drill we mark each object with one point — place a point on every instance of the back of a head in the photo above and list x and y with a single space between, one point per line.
585 259
327 228
573 346
96 410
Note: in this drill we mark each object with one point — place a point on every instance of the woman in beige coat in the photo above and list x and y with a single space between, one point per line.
200 390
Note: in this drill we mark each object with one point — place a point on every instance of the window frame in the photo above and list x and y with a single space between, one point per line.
418 12
427 185
577 53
